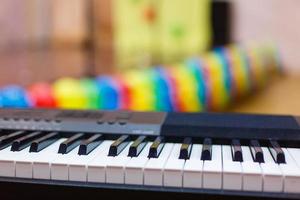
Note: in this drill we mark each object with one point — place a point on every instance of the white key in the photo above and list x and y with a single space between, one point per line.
212 169
42 163
7 161
153 171
252 174
192 171
96 167
24 163
60 166
295 152
232 171
78 164
115 172
273 177
134 170
291 173
172 174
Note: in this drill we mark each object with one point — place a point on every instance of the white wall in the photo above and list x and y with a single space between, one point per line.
270 20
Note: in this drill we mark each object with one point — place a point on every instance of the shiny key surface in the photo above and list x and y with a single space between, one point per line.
137 146
25 141
156 147
117 147
236 151
88 145
256 151
276 152
70 143
7 140
185 149
41 143
206 149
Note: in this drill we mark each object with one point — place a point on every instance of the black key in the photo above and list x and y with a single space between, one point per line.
7 140
256 151
276 152
186 148
70 144
43 142
88 145
117 147
25 141
137 146
206 149
156 147
236 150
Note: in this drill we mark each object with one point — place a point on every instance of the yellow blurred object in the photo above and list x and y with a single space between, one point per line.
239 71
184 28
147 31
70 94
187 88
219 98
141 90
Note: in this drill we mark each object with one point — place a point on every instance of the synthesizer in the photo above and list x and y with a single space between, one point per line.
238 155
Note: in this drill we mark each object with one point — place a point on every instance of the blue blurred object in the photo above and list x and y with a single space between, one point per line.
220 52
194 65
162 91
109 93
14 96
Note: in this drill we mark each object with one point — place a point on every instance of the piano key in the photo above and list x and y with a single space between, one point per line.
206 149
78 163
60 167
70 143
134 169
295 152
192 172
212 169
273 177
115 168
252 174
6 140
137 146
7 161
153 174
256 151
156 147
172 175
24 162
117 147
232 170
276 152
185 149
41 143
291 172
24 141
88 145
97 167
42 162
236 150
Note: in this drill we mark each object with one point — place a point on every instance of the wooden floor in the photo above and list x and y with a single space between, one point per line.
282 96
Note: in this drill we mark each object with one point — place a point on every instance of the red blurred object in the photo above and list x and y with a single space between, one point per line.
41 95
124 92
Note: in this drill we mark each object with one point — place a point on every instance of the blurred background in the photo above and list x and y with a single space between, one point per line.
44 41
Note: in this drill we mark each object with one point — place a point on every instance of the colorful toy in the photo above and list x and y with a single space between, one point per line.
14 96
41 95
210 82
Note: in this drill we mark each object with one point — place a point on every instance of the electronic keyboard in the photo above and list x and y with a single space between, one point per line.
237 155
